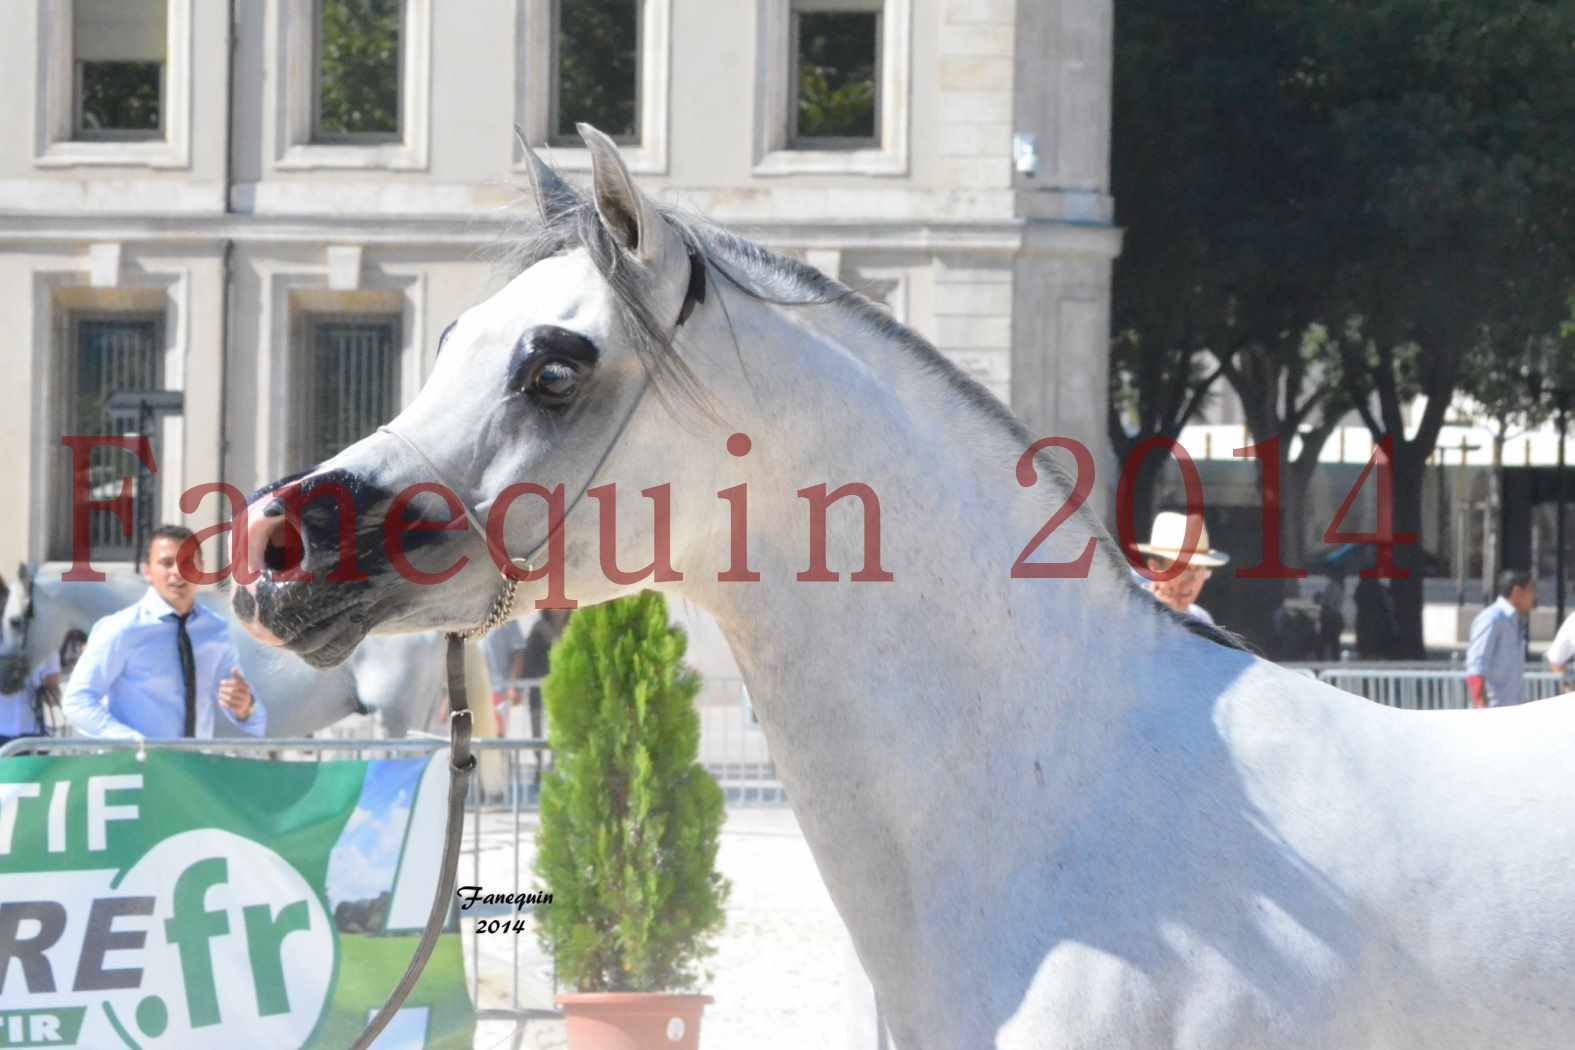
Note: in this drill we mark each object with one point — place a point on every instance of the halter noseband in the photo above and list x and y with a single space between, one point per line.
503 604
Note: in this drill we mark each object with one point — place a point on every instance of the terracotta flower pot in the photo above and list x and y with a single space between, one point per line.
632 1020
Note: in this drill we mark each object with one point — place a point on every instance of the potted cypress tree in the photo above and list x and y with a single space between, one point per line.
630 824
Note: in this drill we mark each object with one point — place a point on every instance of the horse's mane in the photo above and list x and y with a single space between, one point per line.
569 220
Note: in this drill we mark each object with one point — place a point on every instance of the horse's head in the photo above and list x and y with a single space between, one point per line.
15 619
16 613
544 384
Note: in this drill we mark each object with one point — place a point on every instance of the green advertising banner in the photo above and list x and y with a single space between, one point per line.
188 900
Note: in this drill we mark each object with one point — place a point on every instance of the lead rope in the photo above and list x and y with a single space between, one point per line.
461 762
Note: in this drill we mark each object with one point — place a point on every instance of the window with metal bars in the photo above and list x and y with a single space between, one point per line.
105 355
352 378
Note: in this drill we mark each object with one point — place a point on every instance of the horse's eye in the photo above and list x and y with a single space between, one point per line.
555 382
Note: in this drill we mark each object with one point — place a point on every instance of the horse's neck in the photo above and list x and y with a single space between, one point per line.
905 690
59 606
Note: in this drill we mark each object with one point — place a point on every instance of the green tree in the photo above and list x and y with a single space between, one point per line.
1452 142
1289 390
836 74
1506 372
598 68
359 67
1153 393
1400 172
1224 271
630 822
121 96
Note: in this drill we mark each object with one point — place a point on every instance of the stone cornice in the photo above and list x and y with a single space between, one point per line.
996 237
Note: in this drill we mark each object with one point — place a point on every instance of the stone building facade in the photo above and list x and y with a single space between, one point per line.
193 199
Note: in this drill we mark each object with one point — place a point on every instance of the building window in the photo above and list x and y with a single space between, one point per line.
353 86
119 50
351 379
358 64
599 62
835 80
114 83
596 69
832 86
106 354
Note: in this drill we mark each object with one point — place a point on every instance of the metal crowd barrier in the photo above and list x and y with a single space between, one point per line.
1415 689
732 744
496 820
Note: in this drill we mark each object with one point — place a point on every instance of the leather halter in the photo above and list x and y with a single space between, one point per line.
461 762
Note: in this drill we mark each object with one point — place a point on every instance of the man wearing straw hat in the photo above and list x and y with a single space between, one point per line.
1166 542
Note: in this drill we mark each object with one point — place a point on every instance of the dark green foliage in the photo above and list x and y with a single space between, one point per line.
629 820
598 68
836 74
1394 177
121 96
359 65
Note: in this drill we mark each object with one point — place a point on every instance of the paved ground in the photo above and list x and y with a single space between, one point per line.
782 962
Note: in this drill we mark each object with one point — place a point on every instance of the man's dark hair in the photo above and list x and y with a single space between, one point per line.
178 533
1509 579
74 637
71 647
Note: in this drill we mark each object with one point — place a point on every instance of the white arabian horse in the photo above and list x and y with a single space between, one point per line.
398 678
1050 814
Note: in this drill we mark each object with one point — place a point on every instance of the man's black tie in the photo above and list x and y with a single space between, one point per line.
188 671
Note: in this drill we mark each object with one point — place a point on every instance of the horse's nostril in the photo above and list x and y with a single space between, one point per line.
283 552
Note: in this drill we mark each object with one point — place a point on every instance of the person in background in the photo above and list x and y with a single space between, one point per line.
1561 653
1375 620
1166 543
1331 617
29 703
46 678
18 717
535 662
1496 655
163 668
501 648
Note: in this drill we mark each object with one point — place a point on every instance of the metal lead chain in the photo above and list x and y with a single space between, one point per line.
502 609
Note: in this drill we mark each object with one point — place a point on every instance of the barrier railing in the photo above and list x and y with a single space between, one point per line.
1415 689
732 744
497 820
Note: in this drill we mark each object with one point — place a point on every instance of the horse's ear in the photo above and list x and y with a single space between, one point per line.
630 216
553 195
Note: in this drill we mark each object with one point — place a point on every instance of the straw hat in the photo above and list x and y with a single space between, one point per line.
1168 537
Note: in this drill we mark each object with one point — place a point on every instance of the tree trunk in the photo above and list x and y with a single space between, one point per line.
1297 477
1491 543
1407 593
1145 495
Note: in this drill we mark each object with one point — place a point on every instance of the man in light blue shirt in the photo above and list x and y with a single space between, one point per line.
1496 656
158 669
